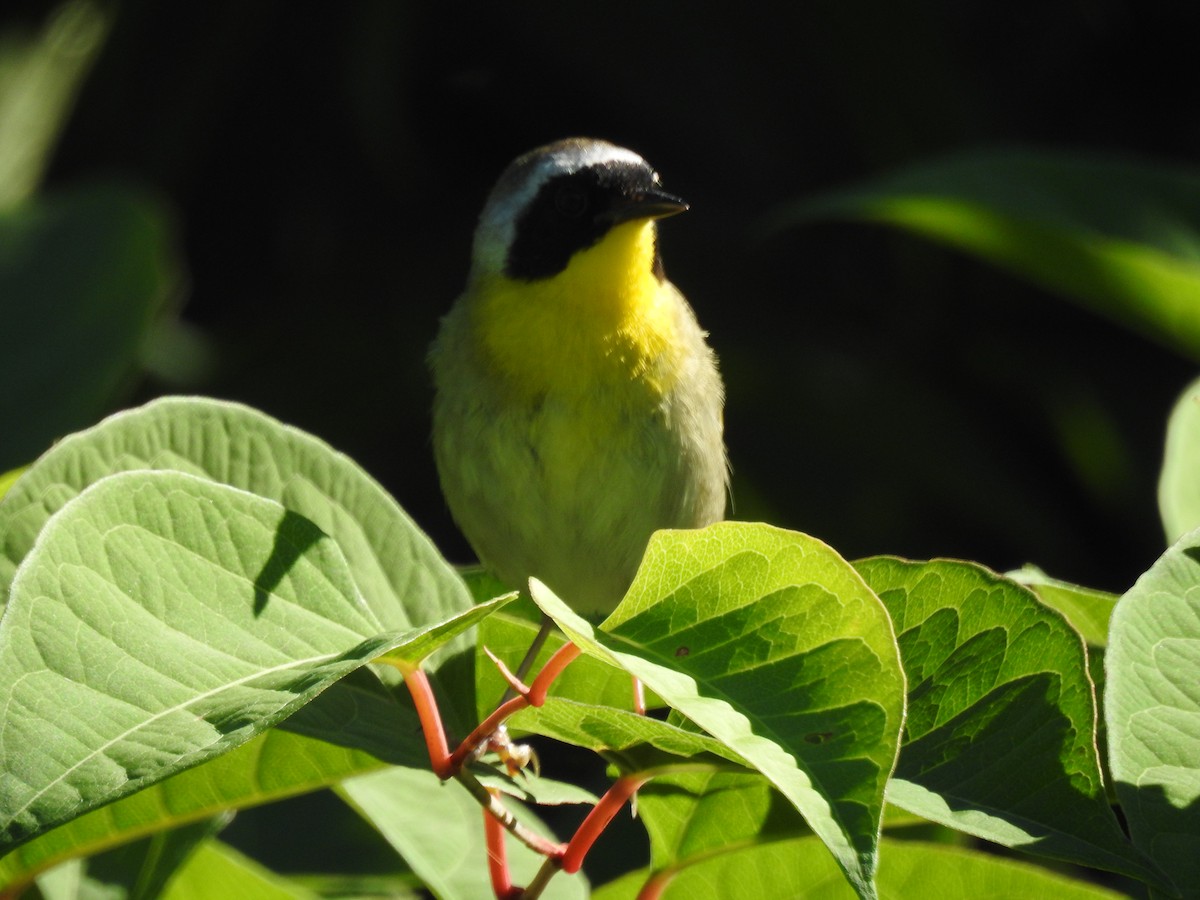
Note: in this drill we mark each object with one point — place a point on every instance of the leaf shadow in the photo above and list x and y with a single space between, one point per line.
1013 757
294 536
1166 832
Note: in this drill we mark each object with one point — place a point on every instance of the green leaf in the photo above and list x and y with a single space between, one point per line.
438 828
483 585
1088 610
1122 236
532 788
84 276
39 78
217 872
1152 708
907 870
272 766
622 736
1000 736
139 870
771 643
365 886
508 637
692 815
396 568
161 620
1179 481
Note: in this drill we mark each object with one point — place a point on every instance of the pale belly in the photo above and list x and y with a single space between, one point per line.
571 495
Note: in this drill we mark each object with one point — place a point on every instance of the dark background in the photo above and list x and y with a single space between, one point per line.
325 163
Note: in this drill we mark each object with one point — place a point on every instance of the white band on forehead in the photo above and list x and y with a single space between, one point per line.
497 222
573 157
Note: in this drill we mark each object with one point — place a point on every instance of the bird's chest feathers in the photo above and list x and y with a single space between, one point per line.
604 325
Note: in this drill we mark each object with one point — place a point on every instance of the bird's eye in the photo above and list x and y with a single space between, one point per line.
571 200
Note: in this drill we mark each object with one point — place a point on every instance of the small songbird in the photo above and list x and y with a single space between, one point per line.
578 407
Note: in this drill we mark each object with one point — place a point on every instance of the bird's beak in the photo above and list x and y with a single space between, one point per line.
650 204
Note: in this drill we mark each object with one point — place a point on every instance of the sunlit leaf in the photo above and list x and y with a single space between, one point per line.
772 644
397 570
1000 736
907 870
161 620
1152 707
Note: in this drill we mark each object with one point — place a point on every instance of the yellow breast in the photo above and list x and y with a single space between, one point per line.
606 318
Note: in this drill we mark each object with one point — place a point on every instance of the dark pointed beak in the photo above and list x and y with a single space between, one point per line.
648 204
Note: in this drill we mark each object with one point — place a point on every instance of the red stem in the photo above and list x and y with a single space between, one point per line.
445 764
484 730
534 696
431 722
497 853
597 820
554 666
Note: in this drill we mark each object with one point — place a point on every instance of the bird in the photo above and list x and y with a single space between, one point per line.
578 407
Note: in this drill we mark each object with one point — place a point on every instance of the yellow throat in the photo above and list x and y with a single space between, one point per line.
606 316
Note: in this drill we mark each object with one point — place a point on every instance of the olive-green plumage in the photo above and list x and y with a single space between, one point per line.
578 408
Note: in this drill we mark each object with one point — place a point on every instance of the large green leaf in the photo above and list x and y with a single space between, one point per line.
84 276
272 766
396 568
1120 235
160 620
1179 481
1152 708
438 828
907 871
217 872
1000 735
772 644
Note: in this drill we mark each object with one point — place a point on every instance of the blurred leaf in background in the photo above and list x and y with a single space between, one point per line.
1179 480
85 272
40 77
1121 236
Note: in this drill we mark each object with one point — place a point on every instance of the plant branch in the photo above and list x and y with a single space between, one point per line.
501 813
549 869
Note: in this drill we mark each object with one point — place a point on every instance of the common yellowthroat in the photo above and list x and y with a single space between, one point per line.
578 408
